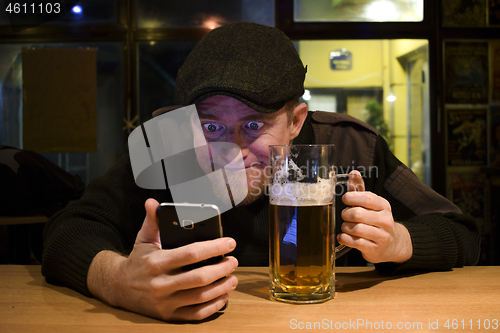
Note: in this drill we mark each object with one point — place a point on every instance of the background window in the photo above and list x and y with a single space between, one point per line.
384 84
358 10
158 64
110 138
202 14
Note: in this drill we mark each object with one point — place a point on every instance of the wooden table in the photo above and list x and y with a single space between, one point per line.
465 300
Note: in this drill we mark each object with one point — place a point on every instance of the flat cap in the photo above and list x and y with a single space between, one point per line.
253 63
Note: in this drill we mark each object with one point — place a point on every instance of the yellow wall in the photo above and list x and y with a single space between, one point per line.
398 80
373 61
366 57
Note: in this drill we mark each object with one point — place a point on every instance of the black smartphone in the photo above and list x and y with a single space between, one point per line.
193 227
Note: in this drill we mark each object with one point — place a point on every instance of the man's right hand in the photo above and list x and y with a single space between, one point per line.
150 280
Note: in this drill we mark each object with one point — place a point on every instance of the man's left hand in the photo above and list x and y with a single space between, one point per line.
370 228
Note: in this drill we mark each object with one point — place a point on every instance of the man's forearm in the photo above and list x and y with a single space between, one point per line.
102 277
404 250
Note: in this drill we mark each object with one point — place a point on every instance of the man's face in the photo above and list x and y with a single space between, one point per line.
225 119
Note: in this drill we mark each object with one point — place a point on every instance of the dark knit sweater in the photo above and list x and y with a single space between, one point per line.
111 212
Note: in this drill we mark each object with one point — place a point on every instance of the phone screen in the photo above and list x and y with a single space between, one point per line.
192 228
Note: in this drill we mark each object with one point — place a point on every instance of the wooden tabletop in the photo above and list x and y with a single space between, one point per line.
463 300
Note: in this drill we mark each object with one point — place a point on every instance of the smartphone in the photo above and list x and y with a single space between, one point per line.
176 233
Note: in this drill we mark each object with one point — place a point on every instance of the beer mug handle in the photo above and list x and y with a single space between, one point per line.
356 183
341 250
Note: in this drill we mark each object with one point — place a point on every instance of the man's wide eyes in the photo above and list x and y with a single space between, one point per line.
252 125
211 127
255 125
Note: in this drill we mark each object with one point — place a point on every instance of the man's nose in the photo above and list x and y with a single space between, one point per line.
226 153
237 137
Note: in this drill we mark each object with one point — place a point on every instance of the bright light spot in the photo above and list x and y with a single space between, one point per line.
391 98
337 53
382 10
77 10
307 95
211 23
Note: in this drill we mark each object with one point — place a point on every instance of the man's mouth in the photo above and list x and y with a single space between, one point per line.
256 164
233 167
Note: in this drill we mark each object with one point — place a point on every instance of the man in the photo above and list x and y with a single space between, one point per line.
245 80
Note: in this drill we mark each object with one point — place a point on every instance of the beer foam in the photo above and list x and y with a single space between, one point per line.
302 194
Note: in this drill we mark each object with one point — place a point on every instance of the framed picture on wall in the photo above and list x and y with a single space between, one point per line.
464 13
466 72
468 189
467 137
494 12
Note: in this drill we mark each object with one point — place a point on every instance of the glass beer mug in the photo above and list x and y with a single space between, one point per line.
302 223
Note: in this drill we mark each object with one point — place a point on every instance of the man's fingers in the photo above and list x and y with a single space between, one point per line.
207 293
367 200
368 248
356 182
199 303
379 219
362 244
362 230
200 311
196 252
356 229
203 276
150 233
175 281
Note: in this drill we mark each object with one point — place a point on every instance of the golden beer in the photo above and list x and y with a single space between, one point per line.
301 223
302 253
